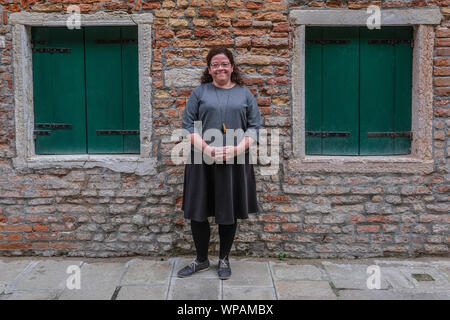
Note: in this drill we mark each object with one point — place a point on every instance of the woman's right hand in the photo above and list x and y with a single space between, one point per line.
210 151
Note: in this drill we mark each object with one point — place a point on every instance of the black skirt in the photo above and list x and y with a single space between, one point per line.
225 191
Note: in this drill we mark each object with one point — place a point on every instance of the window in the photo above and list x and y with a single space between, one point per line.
86 91
143 163
420 158
358 90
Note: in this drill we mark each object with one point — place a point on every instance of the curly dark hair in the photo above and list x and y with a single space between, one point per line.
235 75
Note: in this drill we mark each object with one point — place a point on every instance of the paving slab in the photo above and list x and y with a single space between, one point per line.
46 274
9 270
194 289
147 292
98 282
444 268
395 278
33 295
369 295
304 290
439 282
350 276
248 293
147 272
283 271
249 273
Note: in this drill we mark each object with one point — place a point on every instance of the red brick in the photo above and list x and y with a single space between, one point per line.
442 71
41 245
151 5
442 82
278 80
40 227
164 33
443 51
66 245
316 4
254 5
363 4
206 12
263 101
275 198
443 42
270 16
381 219
443 189
14 237
271 228
335 4
442 112
290 227
395 249
253 81
184 33
368 228
41 236
393 4
15 228
203 32
443 33
14 246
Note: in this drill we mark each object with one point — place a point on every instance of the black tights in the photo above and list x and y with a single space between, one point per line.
201 234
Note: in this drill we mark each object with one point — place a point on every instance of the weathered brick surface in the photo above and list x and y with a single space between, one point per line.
100 213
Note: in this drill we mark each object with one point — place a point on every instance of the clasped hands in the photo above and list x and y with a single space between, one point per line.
223 153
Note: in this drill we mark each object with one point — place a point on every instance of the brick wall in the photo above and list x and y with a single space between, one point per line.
98 212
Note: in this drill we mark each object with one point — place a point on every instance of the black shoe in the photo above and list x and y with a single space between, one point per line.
194 267
224 269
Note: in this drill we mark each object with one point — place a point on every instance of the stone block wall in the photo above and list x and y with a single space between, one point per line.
99 212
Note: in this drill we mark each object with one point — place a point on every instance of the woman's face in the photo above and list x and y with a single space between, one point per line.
220 69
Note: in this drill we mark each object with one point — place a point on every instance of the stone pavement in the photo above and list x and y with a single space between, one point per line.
146 278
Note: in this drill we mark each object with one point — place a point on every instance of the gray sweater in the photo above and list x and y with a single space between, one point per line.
235 107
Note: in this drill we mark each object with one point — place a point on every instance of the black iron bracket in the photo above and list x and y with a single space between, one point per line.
407 134
52 50
328 41
117 132
121 41
52 126
389 41
327 134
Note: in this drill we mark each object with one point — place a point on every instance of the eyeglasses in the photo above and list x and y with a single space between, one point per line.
217 65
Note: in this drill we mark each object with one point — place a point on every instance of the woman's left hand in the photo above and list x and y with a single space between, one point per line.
229 152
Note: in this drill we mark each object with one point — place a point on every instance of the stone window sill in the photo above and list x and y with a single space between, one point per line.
361 164
118 163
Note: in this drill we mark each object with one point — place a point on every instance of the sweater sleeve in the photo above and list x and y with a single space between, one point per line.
253 117
190 113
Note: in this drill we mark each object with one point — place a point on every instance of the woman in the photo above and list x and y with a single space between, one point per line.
224 190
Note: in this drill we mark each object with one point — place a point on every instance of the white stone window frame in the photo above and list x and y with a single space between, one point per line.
420 161
22 22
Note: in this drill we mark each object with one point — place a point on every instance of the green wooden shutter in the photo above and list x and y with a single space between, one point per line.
386 87
58 89
331 97
112 88
362 87
130 89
